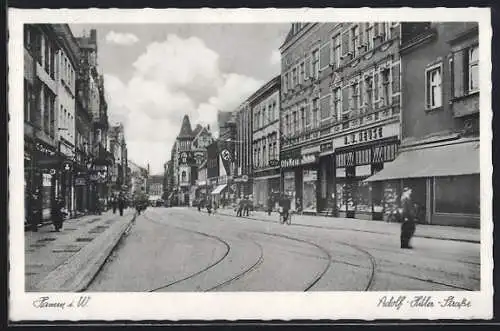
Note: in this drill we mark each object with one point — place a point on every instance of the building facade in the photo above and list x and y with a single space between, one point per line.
340 114
42 159
439 157
118 149
243 175
265 105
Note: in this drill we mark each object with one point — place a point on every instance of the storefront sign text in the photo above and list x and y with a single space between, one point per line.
364 136
306 159
326 147
41 148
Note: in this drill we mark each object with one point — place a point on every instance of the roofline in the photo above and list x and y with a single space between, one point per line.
287 43
274 82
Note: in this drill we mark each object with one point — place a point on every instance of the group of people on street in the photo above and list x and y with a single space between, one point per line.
118 202
244 206
58 211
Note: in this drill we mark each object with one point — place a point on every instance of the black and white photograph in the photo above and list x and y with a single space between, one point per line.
250 164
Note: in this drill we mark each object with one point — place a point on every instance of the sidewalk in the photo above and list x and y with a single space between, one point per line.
423 230
67 261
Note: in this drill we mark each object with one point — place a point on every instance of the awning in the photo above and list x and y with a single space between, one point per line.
444 160
219 189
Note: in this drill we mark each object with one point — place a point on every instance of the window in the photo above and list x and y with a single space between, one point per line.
337 105
263 153
28 100
325 107
302 72
315 64
336 51
473 69
354 40
183 176
295 123
263 121
368 98
385 86
294 77
315 112
457 195
369 35
287 124
302 119
355 96
433 87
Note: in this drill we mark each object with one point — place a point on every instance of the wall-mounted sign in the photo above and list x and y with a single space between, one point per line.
44 149
326 147
274 163
306 159
46 180
367 135
79 181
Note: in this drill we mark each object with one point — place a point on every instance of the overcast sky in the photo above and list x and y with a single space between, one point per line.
154 74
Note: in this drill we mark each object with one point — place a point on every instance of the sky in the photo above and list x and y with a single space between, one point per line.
154 74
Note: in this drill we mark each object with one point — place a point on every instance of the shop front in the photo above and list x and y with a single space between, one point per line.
444 180
358 156
300 178
266 186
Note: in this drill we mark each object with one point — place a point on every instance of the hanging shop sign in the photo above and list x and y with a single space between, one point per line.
367 135
39 147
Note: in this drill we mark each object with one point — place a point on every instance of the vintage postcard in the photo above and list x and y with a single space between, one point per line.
220 164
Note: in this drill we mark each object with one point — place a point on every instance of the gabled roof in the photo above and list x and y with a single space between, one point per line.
197 130
186 131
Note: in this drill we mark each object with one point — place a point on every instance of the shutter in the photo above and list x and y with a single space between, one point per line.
375 29
308 67
396 78
345 43
375 85
345 99
458 74
324 58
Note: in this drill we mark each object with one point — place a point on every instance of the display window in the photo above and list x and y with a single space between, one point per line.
392 196
309 202
364 197
457 195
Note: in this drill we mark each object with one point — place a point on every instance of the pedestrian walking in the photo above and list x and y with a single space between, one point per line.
209 207
269 206
241 204
285 205
409 215
246 206
58 213
114 203
121 204
35 210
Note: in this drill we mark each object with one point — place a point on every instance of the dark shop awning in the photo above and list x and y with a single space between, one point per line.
445 160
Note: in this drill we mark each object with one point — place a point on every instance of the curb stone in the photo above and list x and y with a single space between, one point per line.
369 231
75 274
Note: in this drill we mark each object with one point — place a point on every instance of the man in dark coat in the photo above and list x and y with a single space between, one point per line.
409 214
58 213
35 210
269 205
120 202
241 204
114 203
285 205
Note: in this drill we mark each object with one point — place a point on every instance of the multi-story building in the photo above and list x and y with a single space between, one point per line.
265 107
93 90
243 175
118 149
138 179
439 157
340 114
155 186
67 62
42 159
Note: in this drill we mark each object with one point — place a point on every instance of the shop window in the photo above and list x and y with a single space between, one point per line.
364 199
309 192
391 192
457 195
